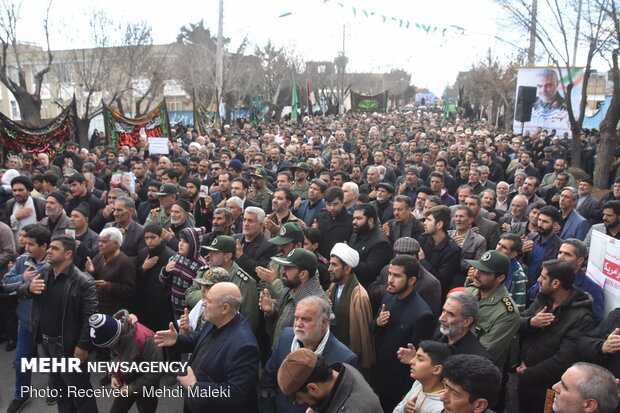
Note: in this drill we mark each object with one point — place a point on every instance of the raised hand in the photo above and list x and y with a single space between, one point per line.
170 266
384 316
386 229
149 263
470 274
410 406
23 213
28 274
89 267
612 344
37 285
406 354
265 302
267 275
239 249
542 319
184 322
166 338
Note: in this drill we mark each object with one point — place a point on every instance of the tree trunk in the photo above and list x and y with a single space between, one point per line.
30 109
609 138
577 148
82 130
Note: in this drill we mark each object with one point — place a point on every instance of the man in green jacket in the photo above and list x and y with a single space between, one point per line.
222 254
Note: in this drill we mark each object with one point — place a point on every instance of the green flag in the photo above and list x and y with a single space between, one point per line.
294 99
446 101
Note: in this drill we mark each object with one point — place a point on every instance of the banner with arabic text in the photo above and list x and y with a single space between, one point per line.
376 103
604 267
50 138
122 131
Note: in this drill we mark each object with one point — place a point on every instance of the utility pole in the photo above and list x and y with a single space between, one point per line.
341 63
531 53
577 33
219 60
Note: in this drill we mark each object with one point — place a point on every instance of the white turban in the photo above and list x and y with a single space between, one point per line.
347 254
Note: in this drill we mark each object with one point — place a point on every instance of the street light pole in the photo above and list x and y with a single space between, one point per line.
341 63
219 60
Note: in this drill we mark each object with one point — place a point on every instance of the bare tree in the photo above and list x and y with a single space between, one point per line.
609 125
490 85
13 55
195 66
557 26
126 70
141 69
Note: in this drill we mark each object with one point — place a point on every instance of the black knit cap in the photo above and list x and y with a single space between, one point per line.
83 208
60 196
183 204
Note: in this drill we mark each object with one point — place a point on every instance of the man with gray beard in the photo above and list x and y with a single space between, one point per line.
459 313
311 331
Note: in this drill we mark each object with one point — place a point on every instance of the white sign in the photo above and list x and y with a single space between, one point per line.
158 145
604 267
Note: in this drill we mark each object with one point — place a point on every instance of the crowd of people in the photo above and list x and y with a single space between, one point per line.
392 262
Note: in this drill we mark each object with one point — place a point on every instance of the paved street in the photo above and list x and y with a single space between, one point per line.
7 386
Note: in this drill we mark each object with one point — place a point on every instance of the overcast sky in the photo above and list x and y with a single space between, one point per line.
313 29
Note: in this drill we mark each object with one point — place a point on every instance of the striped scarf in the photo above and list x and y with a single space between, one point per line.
186 268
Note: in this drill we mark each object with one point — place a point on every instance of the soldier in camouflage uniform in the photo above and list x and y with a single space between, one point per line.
260 194
301 184
222 254
498 321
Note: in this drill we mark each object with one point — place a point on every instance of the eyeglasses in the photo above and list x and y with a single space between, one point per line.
215 169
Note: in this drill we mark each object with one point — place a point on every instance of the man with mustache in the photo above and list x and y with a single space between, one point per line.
311 331
459 313
498 321
298 275
542 245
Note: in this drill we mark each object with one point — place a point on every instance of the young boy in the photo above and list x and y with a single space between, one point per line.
130 341
426 369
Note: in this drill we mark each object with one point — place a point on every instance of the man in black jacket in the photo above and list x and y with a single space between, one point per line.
335 222
404 317
80 192
442 256
253 246
549 331
63 299
372 245
602 345
154 308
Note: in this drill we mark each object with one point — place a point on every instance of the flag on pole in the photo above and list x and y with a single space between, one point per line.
446 101
294 99
310 102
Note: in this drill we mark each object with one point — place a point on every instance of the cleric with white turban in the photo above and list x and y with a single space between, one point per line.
347 254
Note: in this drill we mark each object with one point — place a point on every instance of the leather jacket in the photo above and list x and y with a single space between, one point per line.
79 303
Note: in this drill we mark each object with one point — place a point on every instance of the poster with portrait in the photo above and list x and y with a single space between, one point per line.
550 110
